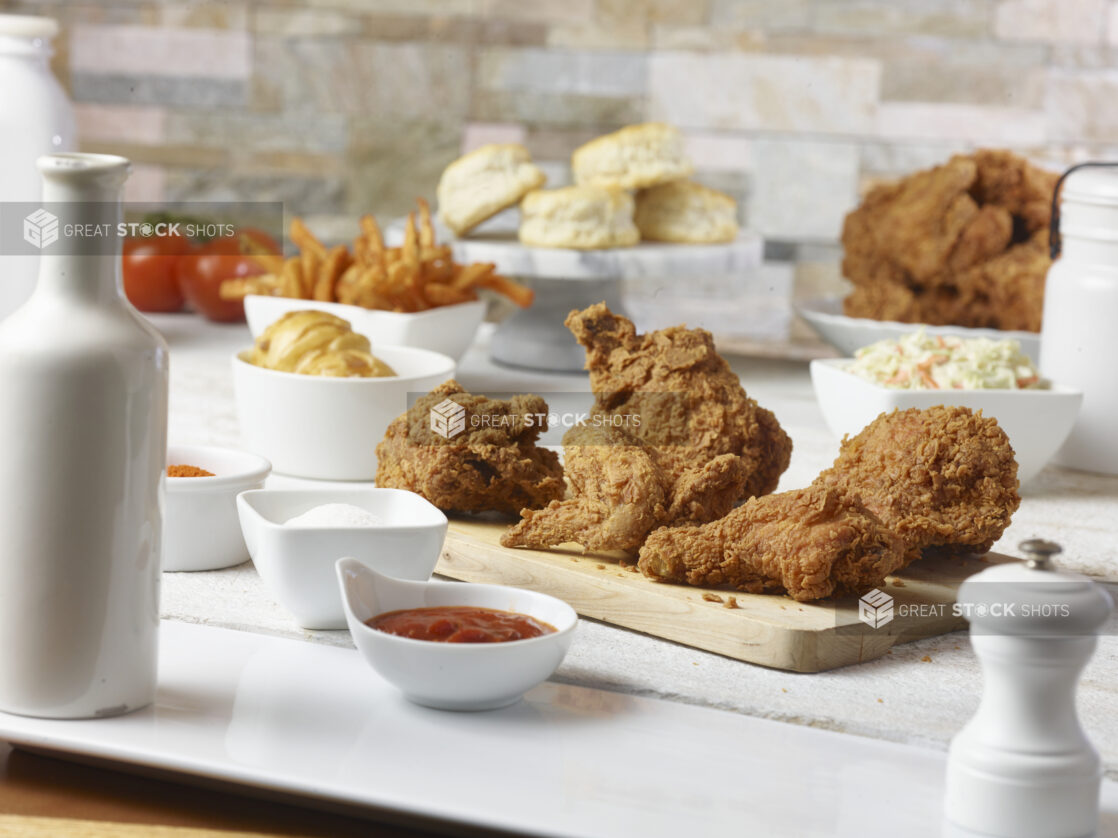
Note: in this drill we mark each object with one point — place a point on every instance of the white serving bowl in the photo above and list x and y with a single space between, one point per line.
297 563
1036 421
328 428
849 334
200 528
453 676
446 329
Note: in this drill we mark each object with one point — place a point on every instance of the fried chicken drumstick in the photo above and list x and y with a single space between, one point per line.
496 466
809 543
944 477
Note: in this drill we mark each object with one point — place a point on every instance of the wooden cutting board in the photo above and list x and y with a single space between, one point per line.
770 630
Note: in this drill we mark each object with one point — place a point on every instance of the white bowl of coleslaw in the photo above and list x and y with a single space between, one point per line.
921 371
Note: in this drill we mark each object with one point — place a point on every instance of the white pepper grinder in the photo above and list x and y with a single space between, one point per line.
1022 767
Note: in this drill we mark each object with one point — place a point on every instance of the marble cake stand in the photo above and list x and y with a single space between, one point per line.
565 279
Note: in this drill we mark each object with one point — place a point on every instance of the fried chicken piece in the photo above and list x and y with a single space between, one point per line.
691 406
1009 181
619 492
1006 292
944 477
912 229
947 245
809 543
493 465
675 440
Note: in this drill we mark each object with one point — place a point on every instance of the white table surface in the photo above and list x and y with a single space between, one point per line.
920 694
274 714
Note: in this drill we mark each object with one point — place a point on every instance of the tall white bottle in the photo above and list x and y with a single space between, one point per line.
35 119
83 424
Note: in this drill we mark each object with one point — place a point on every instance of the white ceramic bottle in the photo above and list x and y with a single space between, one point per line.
83 417
1079 334
35 119
1022 767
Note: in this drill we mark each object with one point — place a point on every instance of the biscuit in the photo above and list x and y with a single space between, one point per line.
582 217
685 212
633 158
480 184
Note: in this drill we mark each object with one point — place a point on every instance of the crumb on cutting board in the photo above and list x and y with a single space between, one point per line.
926 659
898 583
709 597
731 602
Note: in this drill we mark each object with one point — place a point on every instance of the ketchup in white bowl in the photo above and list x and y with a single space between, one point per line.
460 624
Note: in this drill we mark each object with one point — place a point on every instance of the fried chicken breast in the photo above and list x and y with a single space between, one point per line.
491 466
691 405
674 440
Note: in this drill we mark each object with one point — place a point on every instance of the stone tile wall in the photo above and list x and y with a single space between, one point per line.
341 106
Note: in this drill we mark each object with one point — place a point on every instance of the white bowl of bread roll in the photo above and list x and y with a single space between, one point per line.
315 398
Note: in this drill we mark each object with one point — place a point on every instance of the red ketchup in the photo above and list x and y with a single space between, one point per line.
459 624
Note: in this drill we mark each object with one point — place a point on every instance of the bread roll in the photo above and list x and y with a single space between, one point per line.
685 212
582 217
484 182
633 158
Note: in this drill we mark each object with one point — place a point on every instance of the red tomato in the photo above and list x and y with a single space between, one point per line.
149 272
201 273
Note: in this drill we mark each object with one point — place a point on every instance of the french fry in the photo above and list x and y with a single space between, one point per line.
373 239
304 239
439 271
417 275
271 262
426 228
308 273
329 271
402 281
240 287
471 275
447 295
410 251
519 294
369 292
348 284
291 279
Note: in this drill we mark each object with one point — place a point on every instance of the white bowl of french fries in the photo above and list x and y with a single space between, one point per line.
411 295
327 428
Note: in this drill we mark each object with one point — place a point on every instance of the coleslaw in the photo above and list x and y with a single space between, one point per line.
919 361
